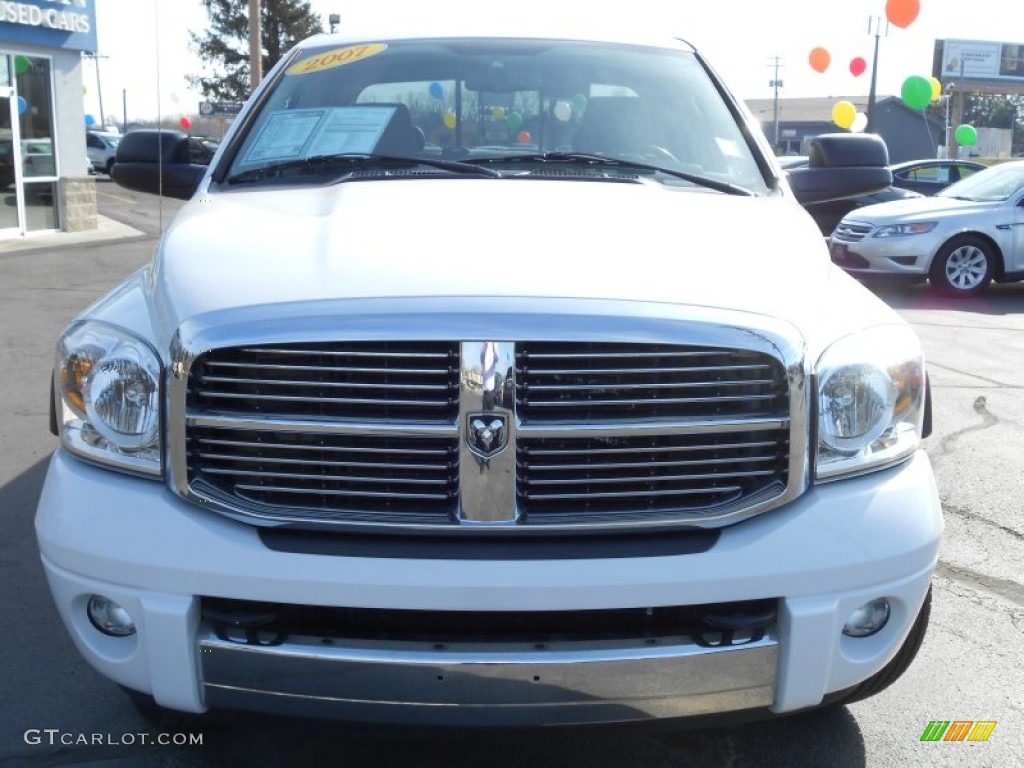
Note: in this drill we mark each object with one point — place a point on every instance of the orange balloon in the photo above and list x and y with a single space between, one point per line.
524 137
902 12
819 59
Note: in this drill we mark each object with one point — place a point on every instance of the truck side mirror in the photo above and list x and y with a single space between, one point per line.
158 162
841 165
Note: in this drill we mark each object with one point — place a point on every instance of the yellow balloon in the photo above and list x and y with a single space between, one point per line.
936 88
449 120
498 113
843 114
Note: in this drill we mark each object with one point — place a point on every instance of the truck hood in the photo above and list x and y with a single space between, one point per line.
414 238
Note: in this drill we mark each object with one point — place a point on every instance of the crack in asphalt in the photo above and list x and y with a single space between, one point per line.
967 513
1005 588
988 420
933 364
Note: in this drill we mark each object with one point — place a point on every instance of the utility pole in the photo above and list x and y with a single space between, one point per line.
954 146
776 84
99 88
874 22
255 44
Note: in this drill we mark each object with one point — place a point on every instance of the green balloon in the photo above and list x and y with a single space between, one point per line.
966 135
514 120
917 92
21 65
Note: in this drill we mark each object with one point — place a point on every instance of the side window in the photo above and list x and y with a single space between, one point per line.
966 171
93 142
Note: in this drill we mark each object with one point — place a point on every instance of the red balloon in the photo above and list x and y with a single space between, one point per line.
902 12
185 123
857 66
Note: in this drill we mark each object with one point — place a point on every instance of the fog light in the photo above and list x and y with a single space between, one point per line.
868 619
109 617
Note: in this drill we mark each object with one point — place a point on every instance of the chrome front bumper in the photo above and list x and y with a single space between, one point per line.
495 684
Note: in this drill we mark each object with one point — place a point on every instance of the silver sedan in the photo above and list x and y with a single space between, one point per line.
961 239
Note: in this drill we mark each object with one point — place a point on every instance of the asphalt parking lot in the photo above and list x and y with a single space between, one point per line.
971 666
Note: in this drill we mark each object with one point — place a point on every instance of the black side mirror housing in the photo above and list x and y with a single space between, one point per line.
158 162
841 165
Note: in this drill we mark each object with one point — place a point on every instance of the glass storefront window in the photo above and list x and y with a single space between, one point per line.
27 156
8 192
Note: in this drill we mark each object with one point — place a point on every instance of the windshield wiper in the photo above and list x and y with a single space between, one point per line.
602 160
350 158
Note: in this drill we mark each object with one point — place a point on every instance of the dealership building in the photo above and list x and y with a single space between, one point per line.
44 181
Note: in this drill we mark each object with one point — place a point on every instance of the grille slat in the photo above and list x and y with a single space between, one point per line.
300 349
346 478
299 383
635 353
319 369
649 479
347 493
619 386
626 371
312 463
326 448
318 399
708 491
648 450
635 464
628 402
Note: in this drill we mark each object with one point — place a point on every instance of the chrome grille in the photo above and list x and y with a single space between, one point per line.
667 475
609 382
353 380
373 434
851 232
335 478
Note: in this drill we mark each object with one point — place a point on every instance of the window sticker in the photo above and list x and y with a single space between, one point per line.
310 132
351 129
335 58
284 136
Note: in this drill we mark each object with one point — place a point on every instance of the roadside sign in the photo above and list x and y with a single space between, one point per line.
219 108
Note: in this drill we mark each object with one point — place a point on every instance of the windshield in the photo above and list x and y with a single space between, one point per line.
991 185
482 100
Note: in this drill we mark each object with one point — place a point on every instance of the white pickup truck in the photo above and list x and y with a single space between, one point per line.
492 380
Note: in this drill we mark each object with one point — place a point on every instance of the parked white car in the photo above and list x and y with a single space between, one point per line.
458 394
37 158
961 239
102 149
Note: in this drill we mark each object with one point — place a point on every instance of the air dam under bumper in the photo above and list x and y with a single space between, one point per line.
513 684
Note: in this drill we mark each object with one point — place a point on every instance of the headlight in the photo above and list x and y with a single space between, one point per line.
108 381
871 388
899 230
